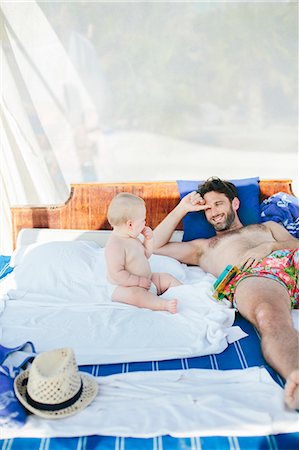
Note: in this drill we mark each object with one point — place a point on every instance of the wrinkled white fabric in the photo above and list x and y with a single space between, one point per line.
103 332
195 402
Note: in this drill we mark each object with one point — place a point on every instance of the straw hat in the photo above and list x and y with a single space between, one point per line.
53 387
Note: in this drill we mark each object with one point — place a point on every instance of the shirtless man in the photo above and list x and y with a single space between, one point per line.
129 276
261 297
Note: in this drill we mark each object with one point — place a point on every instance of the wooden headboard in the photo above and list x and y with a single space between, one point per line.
86 207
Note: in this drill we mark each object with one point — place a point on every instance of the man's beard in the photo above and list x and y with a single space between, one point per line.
224 226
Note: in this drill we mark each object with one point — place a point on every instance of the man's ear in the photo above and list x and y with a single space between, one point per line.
236 204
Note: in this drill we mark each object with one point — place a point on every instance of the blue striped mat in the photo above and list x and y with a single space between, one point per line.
5 268
239 355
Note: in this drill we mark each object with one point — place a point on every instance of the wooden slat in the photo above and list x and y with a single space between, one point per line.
270 187
86 207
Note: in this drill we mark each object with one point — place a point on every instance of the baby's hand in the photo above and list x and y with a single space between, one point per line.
144 282
147 233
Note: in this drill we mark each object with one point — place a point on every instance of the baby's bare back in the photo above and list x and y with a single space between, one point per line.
219 251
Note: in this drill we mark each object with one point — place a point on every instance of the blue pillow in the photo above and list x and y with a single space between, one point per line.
5 268
195 224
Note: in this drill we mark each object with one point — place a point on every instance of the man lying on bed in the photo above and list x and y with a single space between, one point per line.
268 284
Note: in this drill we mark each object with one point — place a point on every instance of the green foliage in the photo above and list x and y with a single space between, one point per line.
167 61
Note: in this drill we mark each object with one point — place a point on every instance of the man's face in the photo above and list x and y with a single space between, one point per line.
222 212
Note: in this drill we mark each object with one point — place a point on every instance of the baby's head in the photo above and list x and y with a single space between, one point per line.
125 208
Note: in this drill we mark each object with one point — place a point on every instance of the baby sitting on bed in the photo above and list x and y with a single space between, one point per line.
130 279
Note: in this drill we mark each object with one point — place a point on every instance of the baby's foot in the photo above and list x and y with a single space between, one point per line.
291 390
171 306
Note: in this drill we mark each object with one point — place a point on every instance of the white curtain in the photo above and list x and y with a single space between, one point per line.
38 154
144 91
24 176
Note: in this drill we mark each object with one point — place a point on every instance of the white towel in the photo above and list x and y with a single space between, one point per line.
195 402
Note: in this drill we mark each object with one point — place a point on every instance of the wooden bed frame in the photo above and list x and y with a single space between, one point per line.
86 207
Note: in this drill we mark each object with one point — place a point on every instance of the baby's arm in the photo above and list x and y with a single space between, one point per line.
148 243
115 260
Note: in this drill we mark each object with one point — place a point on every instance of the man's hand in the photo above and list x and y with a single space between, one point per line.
251 257
147 233
194 202
144 282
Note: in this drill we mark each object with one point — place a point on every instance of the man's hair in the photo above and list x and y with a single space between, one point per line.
216 185
124 207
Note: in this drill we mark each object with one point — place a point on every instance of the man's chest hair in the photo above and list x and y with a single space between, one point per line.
249 232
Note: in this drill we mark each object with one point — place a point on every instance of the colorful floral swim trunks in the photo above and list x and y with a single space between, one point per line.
280 265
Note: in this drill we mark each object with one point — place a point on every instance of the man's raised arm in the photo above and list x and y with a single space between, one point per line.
163 232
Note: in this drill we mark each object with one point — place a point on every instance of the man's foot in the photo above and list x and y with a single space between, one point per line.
291 390
171 306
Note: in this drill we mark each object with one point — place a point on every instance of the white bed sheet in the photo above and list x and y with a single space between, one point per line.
101 331
109 332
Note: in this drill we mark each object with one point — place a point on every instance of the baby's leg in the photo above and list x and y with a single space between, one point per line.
142 298
164 281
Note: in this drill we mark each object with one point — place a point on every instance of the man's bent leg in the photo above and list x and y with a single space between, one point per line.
266 304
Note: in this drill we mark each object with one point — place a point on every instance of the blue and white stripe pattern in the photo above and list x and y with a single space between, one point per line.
5 268
284 209
242 354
